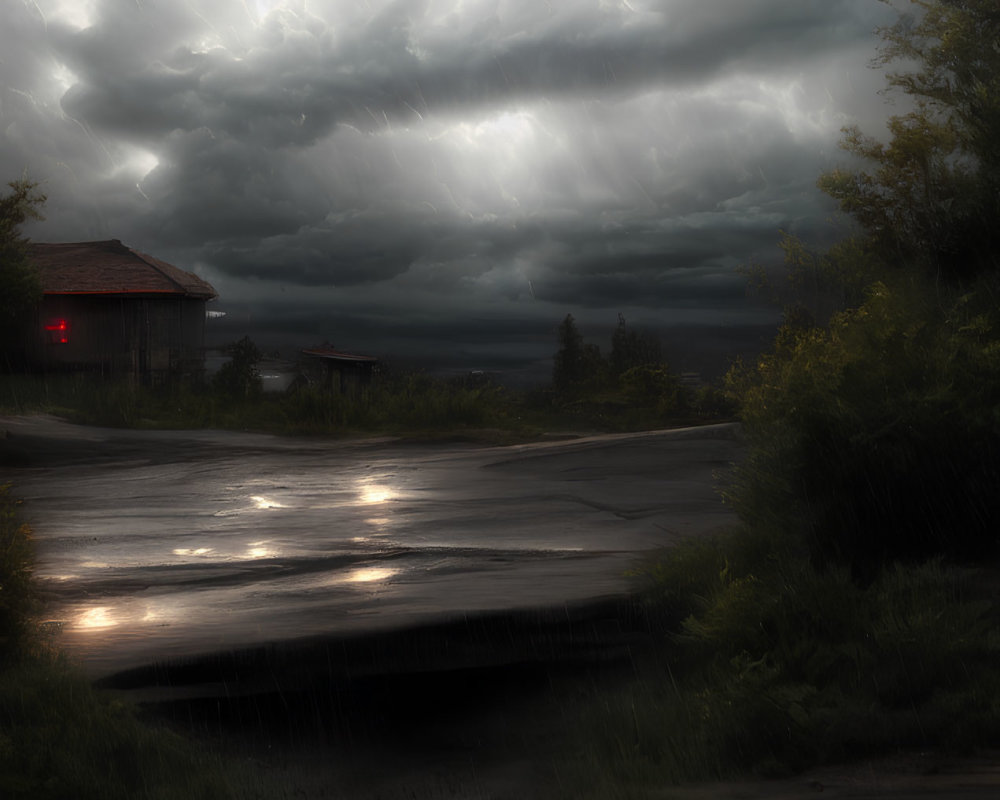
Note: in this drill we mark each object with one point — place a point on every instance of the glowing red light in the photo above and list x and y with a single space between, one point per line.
58 330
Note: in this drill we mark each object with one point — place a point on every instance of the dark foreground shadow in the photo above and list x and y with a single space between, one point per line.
482 704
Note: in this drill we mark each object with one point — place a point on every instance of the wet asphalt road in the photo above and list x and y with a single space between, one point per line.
157 546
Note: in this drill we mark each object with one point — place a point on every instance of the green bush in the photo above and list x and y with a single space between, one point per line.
17 595
878 438
61 739
771 666
653 386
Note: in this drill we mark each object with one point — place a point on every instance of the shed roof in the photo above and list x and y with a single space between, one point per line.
328 353
111 267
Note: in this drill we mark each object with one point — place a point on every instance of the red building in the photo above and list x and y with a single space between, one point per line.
110 309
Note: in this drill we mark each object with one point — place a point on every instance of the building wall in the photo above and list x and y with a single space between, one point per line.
151 337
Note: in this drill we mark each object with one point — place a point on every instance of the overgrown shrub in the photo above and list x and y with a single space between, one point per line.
239 379
771 666
17 595
878 438
59 738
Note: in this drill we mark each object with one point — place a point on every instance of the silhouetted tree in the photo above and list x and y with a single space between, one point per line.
631 348
576 364
20 286
239 379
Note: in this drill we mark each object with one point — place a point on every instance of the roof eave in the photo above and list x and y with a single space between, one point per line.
128 293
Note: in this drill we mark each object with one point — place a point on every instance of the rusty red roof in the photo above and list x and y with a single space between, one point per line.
111 268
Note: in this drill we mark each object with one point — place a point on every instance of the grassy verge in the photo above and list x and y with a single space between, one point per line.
410 404
769 667
59 739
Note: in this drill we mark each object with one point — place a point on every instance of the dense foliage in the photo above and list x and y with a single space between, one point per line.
773 667
17 596
853 612
239 378
632 388
931 198
876 437
20 287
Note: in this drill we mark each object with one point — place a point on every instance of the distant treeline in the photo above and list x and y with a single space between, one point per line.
632 384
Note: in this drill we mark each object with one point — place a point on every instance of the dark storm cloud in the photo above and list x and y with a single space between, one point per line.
435 163
300 75
350 251
677 44
651 288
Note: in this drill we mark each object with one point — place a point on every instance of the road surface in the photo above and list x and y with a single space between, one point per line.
157 546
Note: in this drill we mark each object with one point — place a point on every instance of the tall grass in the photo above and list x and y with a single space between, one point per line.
396 404
61 739
399 404
17 596
769 666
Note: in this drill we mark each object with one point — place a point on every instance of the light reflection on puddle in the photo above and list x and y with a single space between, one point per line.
260 550
97 618
197 551
370 574
255 502
125 615
373 493
262 502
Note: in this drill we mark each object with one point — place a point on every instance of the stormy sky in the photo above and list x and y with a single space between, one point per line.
444 180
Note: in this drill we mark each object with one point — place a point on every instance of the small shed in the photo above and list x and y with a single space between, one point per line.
343 372
110 309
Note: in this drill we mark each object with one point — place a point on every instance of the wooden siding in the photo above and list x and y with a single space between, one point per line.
152 337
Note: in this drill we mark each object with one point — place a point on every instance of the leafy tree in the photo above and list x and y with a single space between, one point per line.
239 379
932 195
652 386
20 286
824 283
876 437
